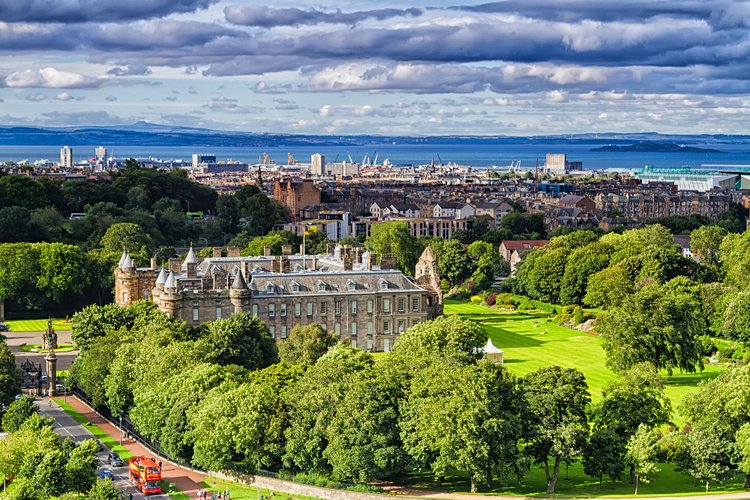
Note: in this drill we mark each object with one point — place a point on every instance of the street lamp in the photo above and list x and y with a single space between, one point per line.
204 239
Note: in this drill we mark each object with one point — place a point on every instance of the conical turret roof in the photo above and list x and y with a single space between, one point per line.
127 263
171 281
162 277
189 258
490 348
122 259
239 282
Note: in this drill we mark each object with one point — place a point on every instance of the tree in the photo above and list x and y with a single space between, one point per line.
633 241
11 376
557 399
394 238
641 454
128 237
19 266
241 340
92 365
582 263
734 254
18 446
743 445
659 325
364 442
736 324
454 263
228 212
312 402
465 418
604 454
17 413
524 226
544 274
260 212
104 490
723 406
710 455
635 398
306 344
48 476
448 336
62 270
705 243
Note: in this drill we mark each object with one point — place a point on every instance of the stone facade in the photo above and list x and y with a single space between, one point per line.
363 304
296 194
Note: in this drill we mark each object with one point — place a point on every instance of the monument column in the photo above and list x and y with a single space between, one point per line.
51 359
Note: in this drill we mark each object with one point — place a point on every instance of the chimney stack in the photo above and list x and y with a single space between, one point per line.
217 252
233 251
286 249
266 250
153 263
175 265
388 261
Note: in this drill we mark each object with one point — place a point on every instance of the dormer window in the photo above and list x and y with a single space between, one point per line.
299 267
257 269
295 286
270 287
322 287
383 284
351 285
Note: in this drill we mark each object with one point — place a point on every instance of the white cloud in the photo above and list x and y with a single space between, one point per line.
51 78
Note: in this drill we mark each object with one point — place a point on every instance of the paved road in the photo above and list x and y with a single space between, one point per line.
66 426
16 339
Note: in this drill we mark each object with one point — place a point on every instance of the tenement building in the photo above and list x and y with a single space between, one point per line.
364 304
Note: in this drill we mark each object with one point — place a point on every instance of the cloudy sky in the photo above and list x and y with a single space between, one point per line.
387 67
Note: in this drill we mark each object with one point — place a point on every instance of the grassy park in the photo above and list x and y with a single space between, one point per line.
63 347
532 340
36 325
98 433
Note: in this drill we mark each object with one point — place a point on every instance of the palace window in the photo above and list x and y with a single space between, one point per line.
353 329
354 307
401 326
283 331
337 307
282 310
401 305
272 331
255 309
218 312
386 327
386 305
297 308
369 306
309 308
195 313
271 310
369 328
324 308
415 304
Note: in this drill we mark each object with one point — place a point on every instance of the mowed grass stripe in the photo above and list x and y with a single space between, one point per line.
36 325
531 341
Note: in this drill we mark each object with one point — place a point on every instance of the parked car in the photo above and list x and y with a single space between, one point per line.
114 459
60 389
106 474
4 327
99 445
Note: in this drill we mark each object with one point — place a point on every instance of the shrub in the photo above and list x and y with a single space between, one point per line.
491 299
476 299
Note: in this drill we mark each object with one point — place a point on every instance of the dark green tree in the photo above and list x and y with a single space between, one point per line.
241 340
306 344
604 454
17 413
557 399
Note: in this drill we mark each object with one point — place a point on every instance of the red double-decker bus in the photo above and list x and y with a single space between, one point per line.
145 475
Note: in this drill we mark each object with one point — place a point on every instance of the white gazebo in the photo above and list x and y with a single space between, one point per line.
492 353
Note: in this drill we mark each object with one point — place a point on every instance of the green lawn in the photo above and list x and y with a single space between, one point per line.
667 482
245 491
531 340
105 438
36 325
38 348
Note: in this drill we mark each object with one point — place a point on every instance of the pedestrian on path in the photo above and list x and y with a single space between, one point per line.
200 493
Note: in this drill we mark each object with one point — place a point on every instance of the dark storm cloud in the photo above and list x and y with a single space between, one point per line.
80 11
267 17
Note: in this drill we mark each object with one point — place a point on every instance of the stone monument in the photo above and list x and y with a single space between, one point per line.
49 341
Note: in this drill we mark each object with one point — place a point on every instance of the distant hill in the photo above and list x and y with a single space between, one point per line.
654 147
152 134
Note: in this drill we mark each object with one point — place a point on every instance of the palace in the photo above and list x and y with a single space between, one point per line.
362 303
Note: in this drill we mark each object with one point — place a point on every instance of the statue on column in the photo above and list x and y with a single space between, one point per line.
49 341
